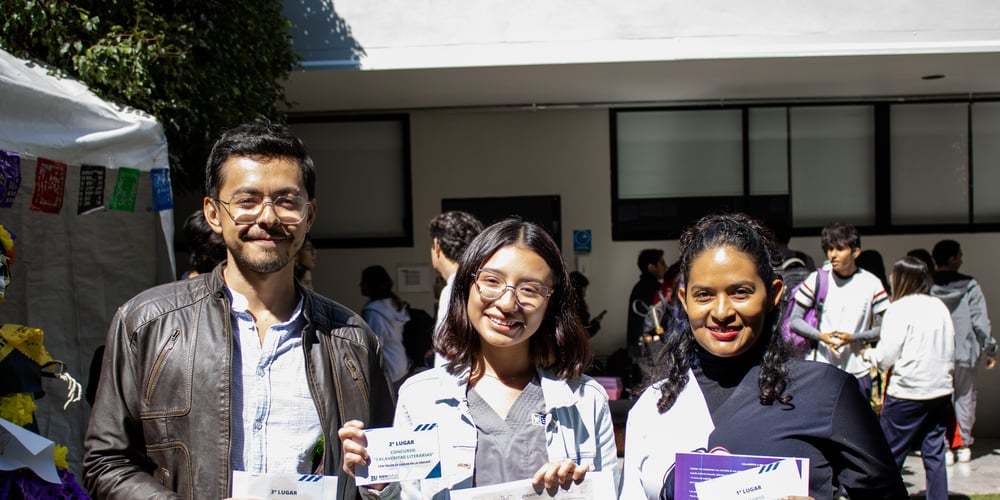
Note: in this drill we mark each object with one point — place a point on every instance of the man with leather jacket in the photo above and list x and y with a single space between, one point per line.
241 368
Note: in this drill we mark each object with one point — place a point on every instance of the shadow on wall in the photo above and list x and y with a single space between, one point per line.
321 36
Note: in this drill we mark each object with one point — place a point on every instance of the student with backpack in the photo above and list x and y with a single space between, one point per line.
852 309
793 273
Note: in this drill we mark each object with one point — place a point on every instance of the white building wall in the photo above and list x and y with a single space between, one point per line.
397 34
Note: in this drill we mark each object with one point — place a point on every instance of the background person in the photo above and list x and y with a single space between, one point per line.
652 267
512 403
206 248
973 340
591 323
451 233
386 314
918 343
727 381
852 310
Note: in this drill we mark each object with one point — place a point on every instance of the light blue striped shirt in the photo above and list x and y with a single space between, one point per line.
275 423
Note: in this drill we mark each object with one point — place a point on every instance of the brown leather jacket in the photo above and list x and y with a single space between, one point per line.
161 425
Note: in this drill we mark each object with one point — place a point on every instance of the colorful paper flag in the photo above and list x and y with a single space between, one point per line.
126 190
10 177
163 198
50 186
91 189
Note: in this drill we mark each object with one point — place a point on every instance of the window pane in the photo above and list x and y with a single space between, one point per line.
356 162
985 161
929 167
833 165
768 151
667 154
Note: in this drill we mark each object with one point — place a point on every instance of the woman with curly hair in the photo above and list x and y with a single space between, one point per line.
512 402
729 385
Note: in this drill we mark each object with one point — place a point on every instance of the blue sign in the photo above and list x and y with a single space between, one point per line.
581 240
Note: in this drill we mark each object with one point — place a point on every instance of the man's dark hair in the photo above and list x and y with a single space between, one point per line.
924 255
206 246
944 250
259 139
838 235
649 257
454 231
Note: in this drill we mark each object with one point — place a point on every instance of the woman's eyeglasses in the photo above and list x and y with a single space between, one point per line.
528 295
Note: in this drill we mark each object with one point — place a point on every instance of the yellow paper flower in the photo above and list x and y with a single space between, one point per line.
61 452
18 408
6 239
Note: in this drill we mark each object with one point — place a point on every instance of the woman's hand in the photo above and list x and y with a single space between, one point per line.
353 440
554 475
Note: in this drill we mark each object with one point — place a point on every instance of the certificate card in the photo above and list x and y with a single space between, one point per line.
745 477
401 454
279 486
595 486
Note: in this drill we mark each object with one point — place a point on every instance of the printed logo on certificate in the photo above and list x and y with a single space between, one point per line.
720 476
401 454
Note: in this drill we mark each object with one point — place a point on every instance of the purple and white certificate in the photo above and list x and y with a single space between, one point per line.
743 477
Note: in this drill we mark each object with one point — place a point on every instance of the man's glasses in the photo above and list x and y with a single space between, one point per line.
246 209
528 295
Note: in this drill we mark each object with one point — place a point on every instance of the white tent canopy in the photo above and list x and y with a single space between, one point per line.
73 271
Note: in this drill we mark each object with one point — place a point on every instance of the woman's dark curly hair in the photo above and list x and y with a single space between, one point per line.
740 232
560 344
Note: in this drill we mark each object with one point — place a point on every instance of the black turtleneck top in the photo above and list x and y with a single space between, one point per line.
826 421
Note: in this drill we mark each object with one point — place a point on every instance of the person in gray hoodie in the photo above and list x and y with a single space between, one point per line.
964 298
386 314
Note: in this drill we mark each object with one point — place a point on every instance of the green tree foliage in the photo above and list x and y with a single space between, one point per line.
198 67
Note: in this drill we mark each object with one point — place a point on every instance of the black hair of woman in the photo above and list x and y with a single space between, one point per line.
910 276
376 284
748 236
559 345
925 256
871 261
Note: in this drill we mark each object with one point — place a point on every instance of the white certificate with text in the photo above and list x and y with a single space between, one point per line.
280 486
401 454
775 480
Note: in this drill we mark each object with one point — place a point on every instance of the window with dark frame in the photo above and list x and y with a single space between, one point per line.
888 167
363 180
